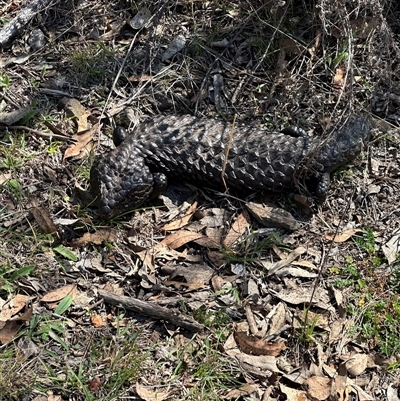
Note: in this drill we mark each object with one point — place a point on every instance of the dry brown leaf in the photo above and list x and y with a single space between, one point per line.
60 293
147 257
74 109
313 319
357 364
319 388
273 268
94 384
336 330
302 295
8 331
12 307
97 321
362 395
150 395
292 394
26 348
82 140
52 397
242 391
180 238
98 237
5 177
392 248
43 218
339 80
255 346
183 221
295 272
263 365
342 237
217 283
305 263
26 316
277 318
193 274
239 227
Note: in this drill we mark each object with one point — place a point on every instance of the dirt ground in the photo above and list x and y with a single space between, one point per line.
192 297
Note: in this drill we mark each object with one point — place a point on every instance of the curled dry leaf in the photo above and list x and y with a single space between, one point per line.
342 237
217 283
5 177
26 348
60 293
239 227
8 331
150 395
97 237
94 384
180 238
273 268
97 321
242 391
392 248
292 394
262 364
319 388
81 147
357 364
277 318
43 218
255 346
12 307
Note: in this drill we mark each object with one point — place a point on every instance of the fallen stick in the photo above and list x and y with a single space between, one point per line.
152 310
35 132
13 28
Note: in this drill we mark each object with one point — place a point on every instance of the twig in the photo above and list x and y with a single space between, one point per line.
35 132
152 310
227 149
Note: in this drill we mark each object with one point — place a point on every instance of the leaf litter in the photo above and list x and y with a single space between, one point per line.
206 254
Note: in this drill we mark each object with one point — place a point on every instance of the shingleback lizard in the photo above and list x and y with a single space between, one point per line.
193 149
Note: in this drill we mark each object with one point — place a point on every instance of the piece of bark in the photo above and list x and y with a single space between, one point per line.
152 310
14 27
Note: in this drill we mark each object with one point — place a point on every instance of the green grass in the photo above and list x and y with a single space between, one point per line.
90 63
69 366
211 371
375 299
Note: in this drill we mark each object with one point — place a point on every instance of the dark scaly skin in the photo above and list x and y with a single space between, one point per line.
193 149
